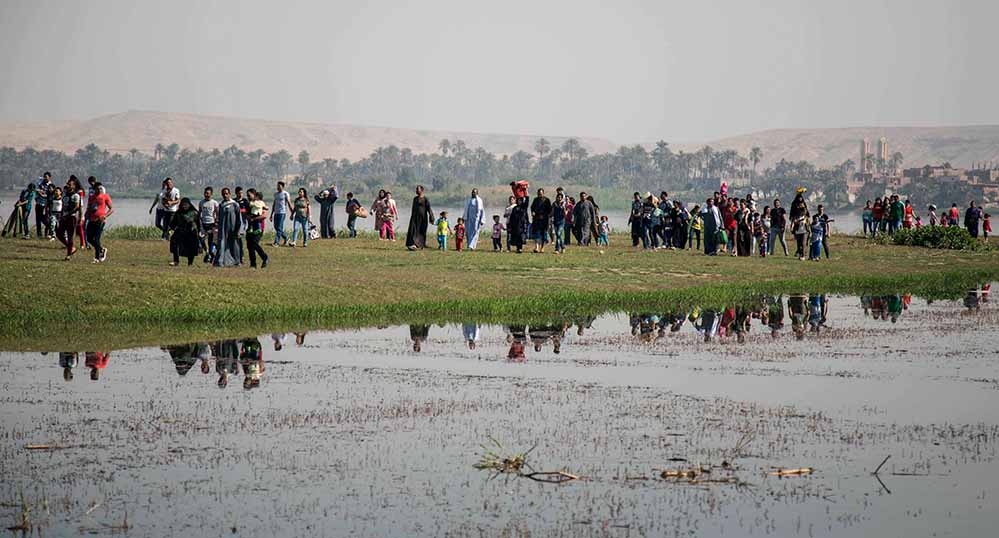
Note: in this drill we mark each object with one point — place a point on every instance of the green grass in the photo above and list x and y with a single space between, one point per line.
135 298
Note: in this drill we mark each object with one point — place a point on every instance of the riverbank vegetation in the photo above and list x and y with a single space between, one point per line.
448 173
135 298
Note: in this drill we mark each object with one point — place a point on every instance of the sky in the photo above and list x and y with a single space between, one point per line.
628 71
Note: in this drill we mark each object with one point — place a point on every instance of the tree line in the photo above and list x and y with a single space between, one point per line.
453 166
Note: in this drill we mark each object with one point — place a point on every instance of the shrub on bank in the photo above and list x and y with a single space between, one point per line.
941 237
132 233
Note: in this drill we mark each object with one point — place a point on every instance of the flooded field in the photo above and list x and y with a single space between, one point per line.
764 419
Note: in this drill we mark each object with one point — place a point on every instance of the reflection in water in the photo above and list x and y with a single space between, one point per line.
885 307
251 358
278 339
226 361
95 360
517 338
230 356
808 313
975 298
470 332
418 334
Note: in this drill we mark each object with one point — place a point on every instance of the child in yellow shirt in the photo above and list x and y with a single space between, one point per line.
443 230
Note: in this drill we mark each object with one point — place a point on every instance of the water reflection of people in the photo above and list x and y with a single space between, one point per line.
470 332
300 339
726 322
817 312
775 315
648 328
707 324
974 299
183 357
797 310
418 334
517 338
585 322
251 358
743 316
97 361
203 353
226 361
278 339
675 320
895 306
541 334
67 361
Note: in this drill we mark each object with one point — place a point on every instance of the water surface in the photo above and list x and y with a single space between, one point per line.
375 432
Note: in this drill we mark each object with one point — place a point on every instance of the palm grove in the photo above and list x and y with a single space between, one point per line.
448 171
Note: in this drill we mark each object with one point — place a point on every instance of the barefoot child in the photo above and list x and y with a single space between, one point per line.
443 230
987 226
459 233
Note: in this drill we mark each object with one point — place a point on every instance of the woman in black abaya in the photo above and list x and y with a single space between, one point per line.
419 219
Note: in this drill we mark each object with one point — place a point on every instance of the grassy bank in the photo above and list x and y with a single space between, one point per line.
135 298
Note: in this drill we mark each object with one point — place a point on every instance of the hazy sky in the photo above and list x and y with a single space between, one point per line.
628 71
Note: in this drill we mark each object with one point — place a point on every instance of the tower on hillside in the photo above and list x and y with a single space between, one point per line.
883 154
865 150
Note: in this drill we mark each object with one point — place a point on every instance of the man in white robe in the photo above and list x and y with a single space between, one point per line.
474 218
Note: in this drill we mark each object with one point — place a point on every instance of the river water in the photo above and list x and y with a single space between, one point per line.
135 212
377 431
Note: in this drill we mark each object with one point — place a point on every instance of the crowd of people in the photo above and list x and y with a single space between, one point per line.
227 231
62 213
885 216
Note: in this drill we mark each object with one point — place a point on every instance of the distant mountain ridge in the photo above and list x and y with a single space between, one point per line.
959 145
144 129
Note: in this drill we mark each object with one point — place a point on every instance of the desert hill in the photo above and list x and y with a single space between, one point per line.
960 145
144 129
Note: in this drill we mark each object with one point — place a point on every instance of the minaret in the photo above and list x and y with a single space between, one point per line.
865 150
883 151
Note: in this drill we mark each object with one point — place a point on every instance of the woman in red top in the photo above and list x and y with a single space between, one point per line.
728 218
98 210
907 215
878 213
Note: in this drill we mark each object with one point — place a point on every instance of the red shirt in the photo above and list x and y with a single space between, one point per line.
96 359
97 206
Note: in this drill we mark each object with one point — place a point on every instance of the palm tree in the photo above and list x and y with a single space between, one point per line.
445 146
158 151
755 155
303 162
662 156
896 161
542 146
869 161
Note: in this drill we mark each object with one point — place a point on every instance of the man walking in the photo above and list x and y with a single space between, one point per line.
279 211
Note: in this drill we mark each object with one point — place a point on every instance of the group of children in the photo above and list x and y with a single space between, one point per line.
444 230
